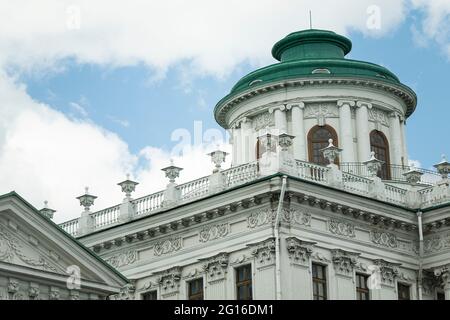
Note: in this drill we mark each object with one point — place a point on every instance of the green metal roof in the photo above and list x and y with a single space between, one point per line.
314 54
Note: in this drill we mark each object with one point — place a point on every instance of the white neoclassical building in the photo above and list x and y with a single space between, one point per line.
319 203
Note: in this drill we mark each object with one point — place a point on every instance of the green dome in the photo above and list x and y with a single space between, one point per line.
313 53
316 54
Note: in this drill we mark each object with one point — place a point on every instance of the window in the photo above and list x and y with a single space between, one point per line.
195 289
440 296
318 138
362 291
380 145
151 295
244 282
403 291
319 279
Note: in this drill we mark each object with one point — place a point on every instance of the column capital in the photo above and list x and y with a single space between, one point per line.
395 114
341 103
299 104
360 104
282 107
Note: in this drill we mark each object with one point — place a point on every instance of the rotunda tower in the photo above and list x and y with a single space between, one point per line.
315 94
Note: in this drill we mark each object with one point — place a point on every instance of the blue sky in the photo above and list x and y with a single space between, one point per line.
143 110
92 90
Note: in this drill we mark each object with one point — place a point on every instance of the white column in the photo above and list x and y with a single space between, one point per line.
280 119
298 130
405 149
362 130
396 139
346 132
246 135
238 144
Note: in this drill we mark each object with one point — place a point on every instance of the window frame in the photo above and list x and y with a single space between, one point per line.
387 162
143 294
405 285
359 290
323 282
245 282
196 295
310 141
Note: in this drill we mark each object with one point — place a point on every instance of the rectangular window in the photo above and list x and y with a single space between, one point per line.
362 291
244 282
151 295
319 279
195 288
403 292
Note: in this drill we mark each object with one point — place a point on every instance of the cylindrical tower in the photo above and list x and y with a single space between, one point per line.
314 93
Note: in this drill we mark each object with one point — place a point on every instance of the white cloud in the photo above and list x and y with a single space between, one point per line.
79 109
435 26
212 36
44 155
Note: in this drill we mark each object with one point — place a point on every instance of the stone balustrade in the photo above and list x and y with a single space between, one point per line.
331 175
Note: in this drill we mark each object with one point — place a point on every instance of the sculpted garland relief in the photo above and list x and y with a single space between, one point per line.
384 239
214 232
341 228
267 216
11 247
123 259
167 246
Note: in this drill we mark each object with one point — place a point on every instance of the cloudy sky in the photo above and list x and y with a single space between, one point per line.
92 90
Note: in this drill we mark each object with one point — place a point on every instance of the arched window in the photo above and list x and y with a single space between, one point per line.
379 144
318 138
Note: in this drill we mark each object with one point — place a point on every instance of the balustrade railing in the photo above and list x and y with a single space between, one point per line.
149 203
71 226
194 189
106 217
311 171
241 174
395 172
354 180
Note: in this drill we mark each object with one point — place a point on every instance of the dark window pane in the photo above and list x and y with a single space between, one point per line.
318 139
196 289
362 292
379 145
244 282
403 292
319 282
151 295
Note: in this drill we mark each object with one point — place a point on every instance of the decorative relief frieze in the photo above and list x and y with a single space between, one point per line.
125 293
299 251
264 252
263 121
317 256
379 117
216 267
33 291
123 259
388 271
384 239
166 246
11 247
169 281
213 232
344 261
260 218
320 112
296 216
341 228
436 243
54 294
442 276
